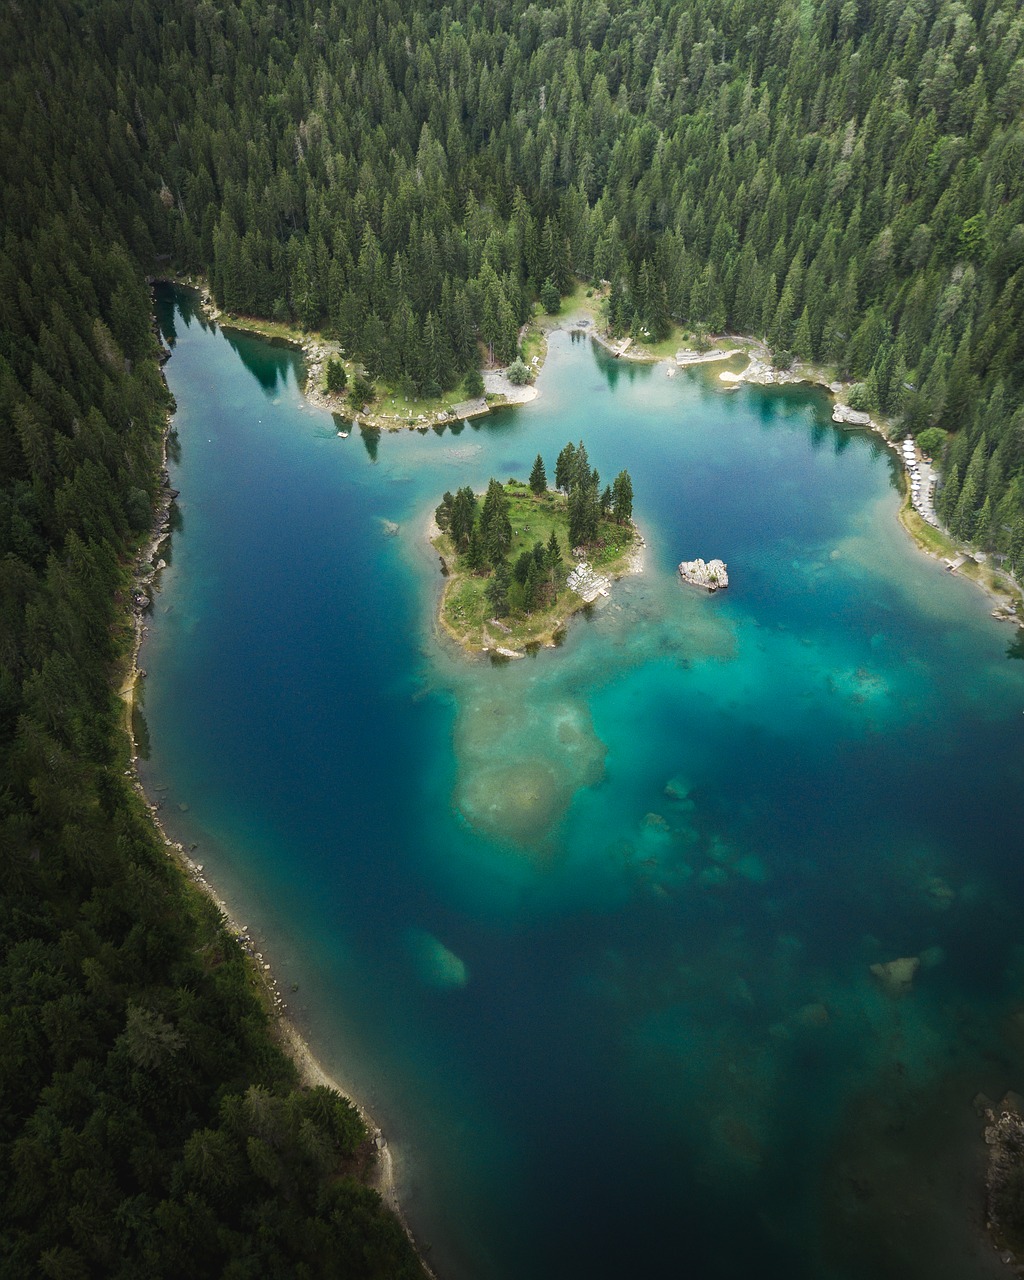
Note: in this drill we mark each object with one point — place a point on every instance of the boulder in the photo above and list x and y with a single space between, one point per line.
897 976
812 1015
711 575
843 413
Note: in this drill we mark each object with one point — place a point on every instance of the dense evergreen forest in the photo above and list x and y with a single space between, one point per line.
845 179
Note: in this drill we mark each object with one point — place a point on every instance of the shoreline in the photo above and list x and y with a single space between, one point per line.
1001 587
282 1028
309 1067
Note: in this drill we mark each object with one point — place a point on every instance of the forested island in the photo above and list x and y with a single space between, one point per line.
504 557
844 181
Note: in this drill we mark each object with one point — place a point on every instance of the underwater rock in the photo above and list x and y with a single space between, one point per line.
940 895
812 1015
436 964
517 801
740 993
897 976
750 867
932 957
711 575
521 766
737 1139
656 822
677 788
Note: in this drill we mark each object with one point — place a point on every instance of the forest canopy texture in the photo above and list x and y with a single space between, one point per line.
844 179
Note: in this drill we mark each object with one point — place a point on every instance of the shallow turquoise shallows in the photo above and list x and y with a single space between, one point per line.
591 933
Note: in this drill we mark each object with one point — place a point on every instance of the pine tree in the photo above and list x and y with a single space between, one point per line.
497 588
533 586
476 559
553 558
495 526
578 517
564 467
538 477
337 378
622 497
550 298
521 568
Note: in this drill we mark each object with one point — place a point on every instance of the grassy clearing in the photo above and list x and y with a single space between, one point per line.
927 537
535 347
465 612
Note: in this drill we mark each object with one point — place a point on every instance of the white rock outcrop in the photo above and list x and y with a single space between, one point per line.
712 576
586 583
843 413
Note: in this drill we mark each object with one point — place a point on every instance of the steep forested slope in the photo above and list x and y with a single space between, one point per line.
846 179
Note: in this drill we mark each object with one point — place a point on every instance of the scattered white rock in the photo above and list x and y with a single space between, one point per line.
763 374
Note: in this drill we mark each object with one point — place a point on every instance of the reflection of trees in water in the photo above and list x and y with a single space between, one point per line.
265 364
140 726
371 441
1016 649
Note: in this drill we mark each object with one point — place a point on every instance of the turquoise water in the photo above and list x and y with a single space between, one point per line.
591 932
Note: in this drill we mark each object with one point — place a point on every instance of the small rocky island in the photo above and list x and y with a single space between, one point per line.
712 576
521 559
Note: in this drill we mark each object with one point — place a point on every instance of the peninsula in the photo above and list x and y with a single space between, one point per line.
522 558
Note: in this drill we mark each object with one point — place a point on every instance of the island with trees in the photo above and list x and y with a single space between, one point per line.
522 558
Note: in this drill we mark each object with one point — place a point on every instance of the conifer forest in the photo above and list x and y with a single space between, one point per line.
843 179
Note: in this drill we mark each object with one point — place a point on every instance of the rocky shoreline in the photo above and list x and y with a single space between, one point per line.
1004 1180
920 496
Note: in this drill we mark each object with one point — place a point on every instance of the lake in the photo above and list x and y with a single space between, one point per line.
591 933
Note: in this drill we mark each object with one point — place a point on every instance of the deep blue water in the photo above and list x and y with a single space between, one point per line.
590 933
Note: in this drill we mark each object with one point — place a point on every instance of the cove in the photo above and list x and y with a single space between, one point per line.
591 933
